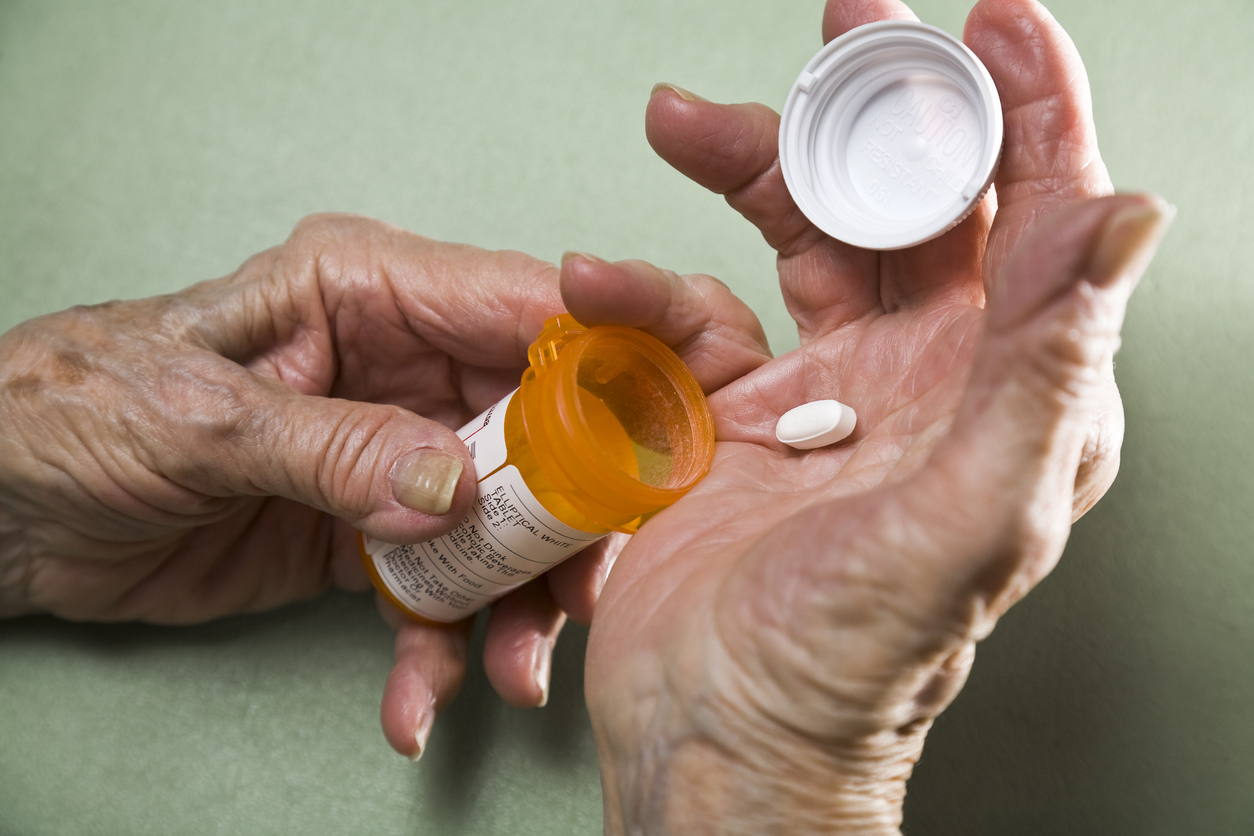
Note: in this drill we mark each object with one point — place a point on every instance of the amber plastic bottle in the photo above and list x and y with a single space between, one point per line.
607 428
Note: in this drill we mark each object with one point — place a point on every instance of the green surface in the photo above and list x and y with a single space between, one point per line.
146 145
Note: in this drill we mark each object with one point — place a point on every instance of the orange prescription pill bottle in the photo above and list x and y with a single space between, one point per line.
607 428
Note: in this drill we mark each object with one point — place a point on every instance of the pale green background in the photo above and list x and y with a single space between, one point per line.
146 145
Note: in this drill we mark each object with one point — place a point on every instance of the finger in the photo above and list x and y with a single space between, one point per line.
479 306
940 267
1050 156
842 15
945 552
713 332
377 312
518 648
1099 460
1037 381
576 583
733 150
428 670
363 310
216 428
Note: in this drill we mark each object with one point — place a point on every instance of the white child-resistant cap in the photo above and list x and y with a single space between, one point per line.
890 135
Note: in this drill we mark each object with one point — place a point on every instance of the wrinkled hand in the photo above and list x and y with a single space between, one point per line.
184 457
768 654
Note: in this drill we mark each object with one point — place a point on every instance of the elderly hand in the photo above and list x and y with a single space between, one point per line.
769 653
184 457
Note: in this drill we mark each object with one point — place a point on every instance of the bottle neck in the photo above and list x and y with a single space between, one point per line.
615 419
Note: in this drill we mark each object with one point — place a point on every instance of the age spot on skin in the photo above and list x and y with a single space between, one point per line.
72 368
25 385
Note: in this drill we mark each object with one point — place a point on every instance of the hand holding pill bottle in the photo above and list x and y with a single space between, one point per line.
607 428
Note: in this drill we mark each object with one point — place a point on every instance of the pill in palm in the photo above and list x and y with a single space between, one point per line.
815 424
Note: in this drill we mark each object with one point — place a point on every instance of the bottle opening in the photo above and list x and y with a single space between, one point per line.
636 417
616 420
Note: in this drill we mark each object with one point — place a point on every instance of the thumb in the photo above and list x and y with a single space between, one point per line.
393 474
1040 381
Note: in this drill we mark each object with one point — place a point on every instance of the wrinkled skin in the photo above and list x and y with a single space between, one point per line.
184 457
768 654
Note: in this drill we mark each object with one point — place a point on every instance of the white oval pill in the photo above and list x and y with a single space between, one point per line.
815 424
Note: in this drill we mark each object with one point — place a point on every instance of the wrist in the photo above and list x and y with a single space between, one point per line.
14 548
730 782
13 569
14 543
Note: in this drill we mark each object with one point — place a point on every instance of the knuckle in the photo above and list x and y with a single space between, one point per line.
1028 551
211 401
1100 456
351 455
708 284
197 422
523 270
1074 350
1008 553
323 225
540 300
314 236
994 545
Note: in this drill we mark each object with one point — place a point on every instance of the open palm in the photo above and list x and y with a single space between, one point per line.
768 654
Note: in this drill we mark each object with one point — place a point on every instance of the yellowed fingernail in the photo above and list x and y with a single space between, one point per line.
1128 241
422 733
426 480
686 95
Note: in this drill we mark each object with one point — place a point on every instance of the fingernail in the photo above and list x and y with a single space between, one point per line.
544 660
1128 241
425 480
569 254
686 95
422 733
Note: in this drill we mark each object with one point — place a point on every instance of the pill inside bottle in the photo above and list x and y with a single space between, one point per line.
607 428
815 424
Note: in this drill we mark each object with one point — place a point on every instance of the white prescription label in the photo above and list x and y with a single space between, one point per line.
507 539
485 438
